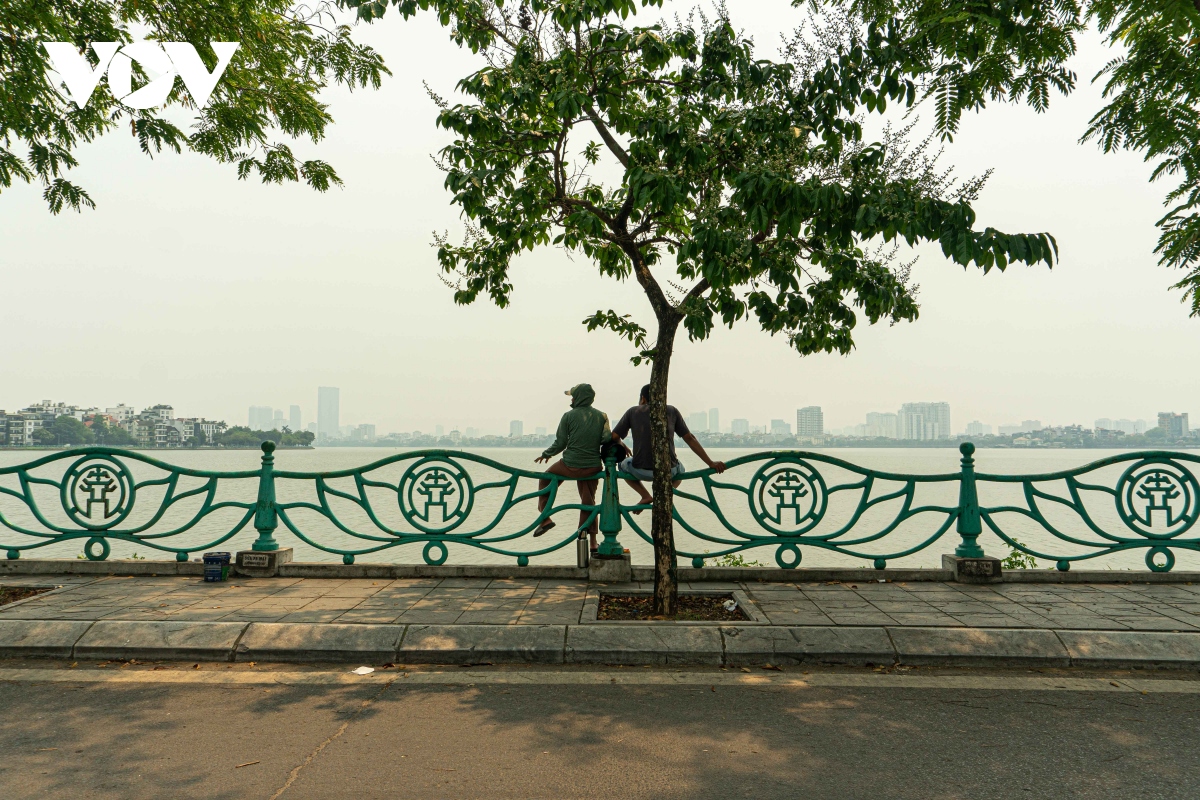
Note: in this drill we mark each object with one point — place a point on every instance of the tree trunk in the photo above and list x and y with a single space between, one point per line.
666 585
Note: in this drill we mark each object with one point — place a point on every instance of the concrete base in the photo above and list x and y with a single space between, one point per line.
973 570
610 570
261 563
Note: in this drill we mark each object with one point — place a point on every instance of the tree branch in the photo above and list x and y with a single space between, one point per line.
607 136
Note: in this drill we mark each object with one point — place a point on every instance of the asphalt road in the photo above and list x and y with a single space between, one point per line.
141 732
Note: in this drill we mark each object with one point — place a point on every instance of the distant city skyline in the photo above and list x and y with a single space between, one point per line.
916 421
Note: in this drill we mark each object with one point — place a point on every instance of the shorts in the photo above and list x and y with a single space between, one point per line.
627 466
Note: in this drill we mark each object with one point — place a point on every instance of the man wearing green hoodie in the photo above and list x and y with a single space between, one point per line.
581 432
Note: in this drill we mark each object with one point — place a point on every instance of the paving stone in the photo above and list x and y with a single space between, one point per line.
268 641
51 638
1132 648
173 639
469 644
792 645
643 644
977 645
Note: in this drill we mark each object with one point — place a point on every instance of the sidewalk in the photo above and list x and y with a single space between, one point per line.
473 620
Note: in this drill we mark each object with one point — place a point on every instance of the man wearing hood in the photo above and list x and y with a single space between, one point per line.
581 433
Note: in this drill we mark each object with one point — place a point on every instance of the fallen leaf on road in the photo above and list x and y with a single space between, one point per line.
745 669
247 764
43 749
772 667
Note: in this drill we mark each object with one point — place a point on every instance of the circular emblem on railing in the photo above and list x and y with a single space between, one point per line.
788 497
1158 499
436 495
97 492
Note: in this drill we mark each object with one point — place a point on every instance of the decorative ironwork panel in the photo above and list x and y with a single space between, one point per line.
92 494
1152 505
785 506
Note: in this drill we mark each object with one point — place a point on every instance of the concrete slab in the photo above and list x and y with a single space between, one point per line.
472 644
298 641
1132 648
639 644
35 637
972 646
793 645
199 641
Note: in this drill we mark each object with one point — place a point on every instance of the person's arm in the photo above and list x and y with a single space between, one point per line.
623 425
690 438
560 442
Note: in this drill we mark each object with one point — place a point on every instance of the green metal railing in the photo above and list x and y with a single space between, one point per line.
791 501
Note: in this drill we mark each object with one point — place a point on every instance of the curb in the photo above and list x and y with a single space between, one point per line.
302 569
666 645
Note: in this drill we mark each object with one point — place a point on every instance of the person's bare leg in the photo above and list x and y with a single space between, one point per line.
646 498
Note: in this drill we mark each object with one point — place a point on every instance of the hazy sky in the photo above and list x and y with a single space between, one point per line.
189 287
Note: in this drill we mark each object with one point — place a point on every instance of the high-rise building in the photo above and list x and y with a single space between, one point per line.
1174 425
780 428
294 421
924 421
472 433
977 428
516 429
810 422
698 422
1104 424
277 421
261 417
438 431
1125 425
540 431
882 425
1032 425
329 412
739 426
714 420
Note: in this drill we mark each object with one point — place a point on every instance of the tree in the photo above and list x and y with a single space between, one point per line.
287 54
742 187
43 436
68 430
966 53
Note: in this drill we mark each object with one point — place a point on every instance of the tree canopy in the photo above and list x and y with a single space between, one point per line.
268 95
729 186
965 53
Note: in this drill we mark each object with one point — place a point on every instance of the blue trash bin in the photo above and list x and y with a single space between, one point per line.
216 566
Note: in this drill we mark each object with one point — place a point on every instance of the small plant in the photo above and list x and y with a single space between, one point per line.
734 560
1018 559
81 555
136 557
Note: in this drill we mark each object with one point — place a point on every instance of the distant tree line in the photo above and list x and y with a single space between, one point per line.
66 430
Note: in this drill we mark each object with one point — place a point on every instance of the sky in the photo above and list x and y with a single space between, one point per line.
188 287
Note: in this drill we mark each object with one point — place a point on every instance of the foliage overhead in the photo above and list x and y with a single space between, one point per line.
268 94
965 53
727 185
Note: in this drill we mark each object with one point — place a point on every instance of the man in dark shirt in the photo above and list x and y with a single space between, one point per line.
641 464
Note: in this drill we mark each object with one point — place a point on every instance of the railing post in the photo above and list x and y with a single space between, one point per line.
969 525
265 519
610 513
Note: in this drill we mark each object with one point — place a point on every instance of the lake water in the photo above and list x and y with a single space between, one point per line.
734 506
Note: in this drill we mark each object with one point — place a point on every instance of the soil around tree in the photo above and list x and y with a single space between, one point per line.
11 594
692 608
